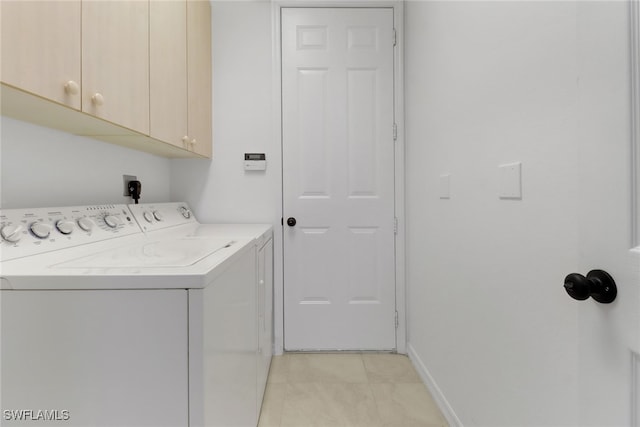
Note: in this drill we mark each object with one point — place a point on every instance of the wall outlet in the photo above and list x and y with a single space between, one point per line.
126 179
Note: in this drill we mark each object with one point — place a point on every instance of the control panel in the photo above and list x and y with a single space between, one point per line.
26 232
158 216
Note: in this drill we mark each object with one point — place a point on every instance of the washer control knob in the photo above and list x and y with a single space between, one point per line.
113 221
158 215
148 216
12 233
64 226
185 212
41 230
86 223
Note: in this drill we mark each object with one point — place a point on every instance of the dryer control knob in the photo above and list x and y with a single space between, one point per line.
113 221
41 230
64 226
185 212
147 216
12 233
86 223
158 215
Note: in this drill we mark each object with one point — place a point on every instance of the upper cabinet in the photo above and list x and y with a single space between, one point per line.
134 73
199 76
115 62
41 48
168 77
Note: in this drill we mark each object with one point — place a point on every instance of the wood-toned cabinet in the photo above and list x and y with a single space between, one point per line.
139 71
41 48
199 76
180 76
168 71
115 62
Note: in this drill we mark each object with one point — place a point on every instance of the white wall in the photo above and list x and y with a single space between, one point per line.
490 83
46 167
220 190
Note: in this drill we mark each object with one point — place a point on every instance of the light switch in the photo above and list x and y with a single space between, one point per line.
445 186
511 181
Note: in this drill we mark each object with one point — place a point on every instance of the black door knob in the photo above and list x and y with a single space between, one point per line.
291 221
598 285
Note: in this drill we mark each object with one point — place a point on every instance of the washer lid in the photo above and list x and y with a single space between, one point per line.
177 252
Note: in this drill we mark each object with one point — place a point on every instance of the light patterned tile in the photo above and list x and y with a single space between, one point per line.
406 405
326 368
329 405
271 413
390 368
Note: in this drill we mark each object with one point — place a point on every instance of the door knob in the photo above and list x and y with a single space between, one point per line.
291 221
598 285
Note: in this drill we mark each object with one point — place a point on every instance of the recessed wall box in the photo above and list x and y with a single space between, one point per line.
255 162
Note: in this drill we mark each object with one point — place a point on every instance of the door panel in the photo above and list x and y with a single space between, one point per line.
338 172
609 333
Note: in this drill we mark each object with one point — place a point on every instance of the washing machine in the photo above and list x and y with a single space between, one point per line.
103 323
229 376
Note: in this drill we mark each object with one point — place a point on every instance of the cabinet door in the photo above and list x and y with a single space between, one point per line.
168 71
199 75
115 62
41 48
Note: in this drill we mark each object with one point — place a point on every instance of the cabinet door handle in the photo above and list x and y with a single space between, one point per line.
97 99
71 87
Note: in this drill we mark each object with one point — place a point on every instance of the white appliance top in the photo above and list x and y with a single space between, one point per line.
147 246
152 253
27 232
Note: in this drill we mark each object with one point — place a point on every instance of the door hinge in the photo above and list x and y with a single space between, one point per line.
397 320
395 131
395 37
395 225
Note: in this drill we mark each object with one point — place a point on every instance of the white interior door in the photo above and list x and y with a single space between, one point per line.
609 349
338 178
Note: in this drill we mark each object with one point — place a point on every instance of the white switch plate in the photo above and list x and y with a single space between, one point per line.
445 186
511 181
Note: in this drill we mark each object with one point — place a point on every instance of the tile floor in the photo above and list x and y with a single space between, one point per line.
340 390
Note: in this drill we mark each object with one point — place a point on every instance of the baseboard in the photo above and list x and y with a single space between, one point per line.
435 391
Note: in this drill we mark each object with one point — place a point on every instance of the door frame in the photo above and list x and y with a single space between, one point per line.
399 150
634 38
